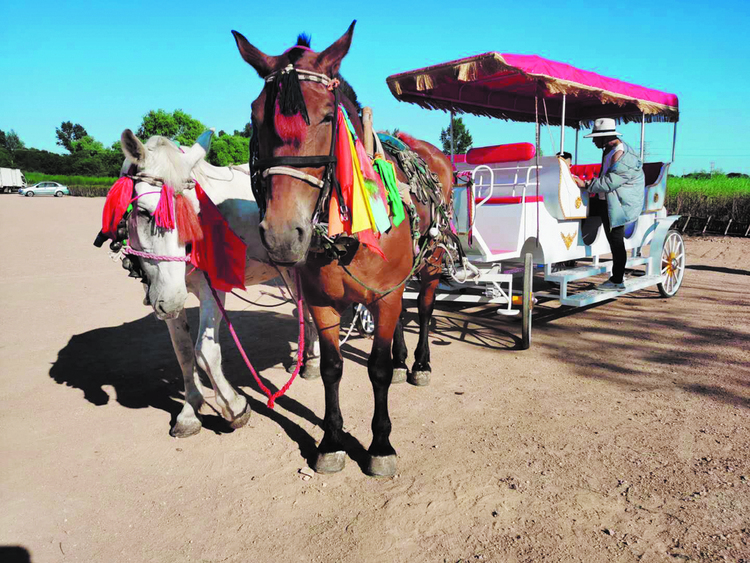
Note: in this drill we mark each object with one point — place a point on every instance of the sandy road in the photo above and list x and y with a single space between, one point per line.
622 435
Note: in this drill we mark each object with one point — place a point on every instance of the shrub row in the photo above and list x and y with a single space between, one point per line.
89 191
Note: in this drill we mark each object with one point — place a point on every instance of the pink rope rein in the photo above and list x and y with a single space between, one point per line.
300 344
129 250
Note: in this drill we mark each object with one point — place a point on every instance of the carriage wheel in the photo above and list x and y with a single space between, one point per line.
672 264
528 273
365 321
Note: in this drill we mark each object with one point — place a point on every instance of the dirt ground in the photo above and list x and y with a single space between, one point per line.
621 435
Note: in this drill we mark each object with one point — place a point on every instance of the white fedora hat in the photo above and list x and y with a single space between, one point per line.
604 127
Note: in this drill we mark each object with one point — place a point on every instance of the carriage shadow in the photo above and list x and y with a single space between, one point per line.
136 364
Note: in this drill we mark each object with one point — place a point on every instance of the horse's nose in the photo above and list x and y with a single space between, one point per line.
287 244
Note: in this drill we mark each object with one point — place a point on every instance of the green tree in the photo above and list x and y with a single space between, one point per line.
462 140
178 126
246 132
229 149
88 145
68 133
13 142
5 160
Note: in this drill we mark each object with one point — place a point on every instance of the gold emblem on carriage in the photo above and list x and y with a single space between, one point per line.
579 203
656 197
568 239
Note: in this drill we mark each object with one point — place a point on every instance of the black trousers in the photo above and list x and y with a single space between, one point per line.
615 237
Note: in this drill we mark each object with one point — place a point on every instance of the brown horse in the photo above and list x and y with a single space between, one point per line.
294 123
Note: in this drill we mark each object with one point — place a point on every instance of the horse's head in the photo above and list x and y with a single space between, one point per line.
293 123
163 221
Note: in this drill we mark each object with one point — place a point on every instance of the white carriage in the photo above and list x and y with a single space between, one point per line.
522 208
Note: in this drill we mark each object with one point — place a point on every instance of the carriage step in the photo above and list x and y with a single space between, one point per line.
587 271
596 296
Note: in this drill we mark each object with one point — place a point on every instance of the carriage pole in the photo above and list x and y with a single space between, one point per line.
643 134
453 160
562 128
674 140
577 130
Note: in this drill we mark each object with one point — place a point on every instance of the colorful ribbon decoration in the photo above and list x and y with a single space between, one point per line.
365 191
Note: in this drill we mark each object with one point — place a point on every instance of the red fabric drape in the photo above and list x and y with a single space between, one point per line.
220 253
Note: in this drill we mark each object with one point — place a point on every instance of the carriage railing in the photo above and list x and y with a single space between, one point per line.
511 184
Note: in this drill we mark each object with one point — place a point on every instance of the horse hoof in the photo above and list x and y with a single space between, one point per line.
399 375
310 371
332 462
382 466
185 430
419 378
243 419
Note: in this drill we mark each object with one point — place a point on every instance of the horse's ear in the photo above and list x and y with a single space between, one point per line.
132 147
262 63
200 148
330 59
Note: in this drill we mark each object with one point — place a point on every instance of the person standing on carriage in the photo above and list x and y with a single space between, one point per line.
617 195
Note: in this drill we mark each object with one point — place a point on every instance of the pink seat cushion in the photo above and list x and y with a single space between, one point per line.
586 171
501 153
506 200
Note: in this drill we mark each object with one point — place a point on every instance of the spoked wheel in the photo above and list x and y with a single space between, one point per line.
672 264
365 322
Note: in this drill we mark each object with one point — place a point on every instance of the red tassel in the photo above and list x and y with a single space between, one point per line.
188 226
164 213
117 202
410 141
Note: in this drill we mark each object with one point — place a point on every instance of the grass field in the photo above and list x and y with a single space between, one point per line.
718 196
34 177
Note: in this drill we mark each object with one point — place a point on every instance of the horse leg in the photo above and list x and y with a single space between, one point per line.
311 356
331 455
399 352
380 369
189 420
421 370
233 406
312 348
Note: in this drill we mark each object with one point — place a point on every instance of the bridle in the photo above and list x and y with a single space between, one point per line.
261 169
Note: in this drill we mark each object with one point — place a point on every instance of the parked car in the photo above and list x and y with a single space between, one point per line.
45 188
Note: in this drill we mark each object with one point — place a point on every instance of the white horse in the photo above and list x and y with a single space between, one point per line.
168 277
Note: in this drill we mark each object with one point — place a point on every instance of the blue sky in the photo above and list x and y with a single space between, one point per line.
104 65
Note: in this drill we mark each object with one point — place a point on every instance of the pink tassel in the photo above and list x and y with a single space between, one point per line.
164 214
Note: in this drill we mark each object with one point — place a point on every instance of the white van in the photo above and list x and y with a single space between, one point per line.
11 179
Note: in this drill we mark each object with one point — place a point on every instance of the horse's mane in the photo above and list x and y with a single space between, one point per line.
163 161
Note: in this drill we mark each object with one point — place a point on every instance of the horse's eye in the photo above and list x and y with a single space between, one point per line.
143 213
328 118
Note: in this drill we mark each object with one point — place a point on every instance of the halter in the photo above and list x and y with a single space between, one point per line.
261 169
155 182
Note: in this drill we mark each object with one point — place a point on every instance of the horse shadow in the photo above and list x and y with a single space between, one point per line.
135 365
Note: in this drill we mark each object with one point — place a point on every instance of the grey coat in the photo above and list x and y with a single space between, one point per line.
624 186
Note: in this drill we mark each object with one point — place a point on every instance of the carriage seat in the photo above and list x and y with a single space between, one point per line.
495 154
586 171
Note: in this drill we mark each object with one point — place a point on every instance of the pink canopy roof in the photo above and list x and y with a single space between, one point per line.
506 85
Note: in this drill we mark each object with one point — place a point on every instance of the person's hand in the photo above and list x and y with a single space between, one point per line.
580 183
